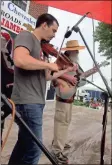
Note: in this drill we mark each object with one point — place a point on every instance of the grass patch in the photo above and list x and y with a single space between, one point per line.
78 103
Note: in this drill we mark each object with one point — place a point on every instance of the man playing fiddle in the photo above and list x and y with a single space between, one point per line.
30 74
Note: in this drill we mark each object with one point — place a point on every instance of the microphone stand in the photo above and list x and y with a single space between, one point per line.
63 40
38 142
105 95
77 29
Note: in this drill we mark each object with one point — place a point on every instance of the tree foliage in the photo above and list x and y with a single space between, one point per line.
103 34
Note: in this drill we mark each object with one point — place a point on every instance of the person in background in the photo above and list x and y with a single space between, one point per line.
63 107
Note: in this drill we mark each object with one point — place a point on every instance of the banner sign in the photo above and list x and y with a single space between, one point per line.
15 19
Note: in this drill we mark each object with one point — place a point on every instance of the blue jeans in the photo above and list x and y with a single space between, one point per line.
26 151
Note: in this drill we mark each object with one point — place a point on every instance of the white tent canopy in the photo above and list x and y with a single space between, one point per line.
89 87
99 83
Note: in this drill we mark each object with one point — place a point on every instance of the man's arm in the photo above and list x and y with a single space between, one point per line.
23 46
70 78
58 74
24 60
66 77
55 74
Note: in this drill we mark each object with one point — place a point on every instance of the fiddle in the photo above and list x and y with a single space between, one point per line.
62 87
48 48
61 60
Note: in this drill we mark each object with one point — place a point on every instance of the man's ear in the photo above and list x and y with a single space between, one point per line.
44 25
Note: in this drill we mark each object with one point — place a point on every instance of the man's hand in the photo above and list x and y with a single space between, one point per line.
74 68
73 80
53 67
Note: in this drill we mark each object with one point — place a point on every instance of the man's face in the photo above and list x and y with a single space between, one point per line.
73 55
49 31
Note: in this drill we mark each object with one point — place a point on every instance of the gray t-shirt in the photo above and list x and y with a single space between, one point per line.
29 85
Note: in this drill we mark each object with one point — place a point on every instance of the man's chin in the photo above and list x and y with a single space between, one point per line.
48 39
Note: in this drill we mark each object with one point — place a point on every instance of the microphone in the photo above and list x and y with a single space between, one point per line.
69 32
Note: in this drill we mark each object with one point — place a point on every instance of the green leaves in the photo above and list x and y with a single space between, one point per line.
103 35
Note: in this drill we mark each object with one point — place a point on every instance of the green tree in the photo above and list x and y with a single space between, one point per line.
103 34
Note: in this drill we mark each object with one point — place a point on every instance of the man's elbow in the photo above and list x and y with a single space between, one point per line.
18 63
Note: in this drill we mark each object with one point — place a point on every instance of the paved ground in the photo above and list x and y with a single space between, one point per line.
84 136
